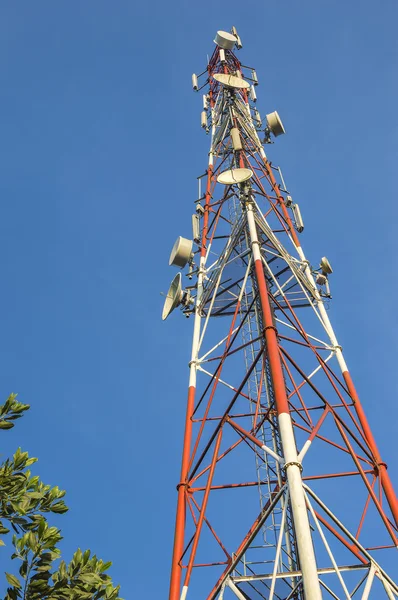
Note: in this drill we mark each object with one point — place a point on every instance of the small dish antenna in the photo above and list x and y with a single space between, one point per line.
225 40
234 176
275 124
181 252
231 81
326 266
173 297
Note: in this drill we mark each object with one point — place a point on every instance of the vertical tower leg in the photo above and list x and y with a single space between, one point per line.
305 547
176 569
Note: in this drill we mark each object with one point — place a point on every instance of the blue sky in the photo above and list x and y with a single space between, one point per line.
100 148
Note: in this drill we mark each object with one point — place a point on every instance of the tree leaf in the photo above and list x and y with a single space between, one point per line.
12 580
59 507
23 569
42 527
90 578
105 566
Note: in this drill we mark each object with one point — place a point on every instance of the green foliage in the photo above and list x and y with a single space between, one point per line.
10 411
24 502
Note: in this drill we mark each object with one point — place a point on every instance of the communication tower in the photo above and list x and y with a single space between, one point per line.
283 493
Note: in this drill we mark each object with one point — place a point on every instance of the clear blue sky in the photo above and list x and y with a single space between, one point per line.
100 146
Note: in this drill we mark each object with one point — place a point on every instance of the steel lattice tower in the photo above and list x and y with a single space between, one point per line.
272 412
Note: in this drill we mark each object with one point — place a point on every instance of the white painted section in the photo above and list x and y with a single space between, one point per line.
320 366
304 450
208 252
235 590
213 131
312 588
330 553
197 318
324 316
278 548
387 587
369 582
228 385
184 592
255 245
262 153
196 328
278 458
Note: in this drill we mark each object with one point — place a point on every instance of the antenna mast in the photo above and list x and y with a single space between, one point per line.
283 493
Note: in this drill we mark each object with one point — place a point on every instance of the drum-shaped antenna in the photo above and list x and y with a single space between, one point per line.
275 124
231 81
234 176
225 40
326 266
174 297
181 252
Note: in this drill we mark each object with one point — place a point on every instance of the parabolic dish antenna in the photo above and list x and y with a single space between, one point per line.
173 297
234 176
181 252
231 81
326 266
275 123
225 40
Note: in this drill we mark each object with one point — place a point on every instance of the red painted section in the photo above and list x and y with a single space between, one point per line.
384 476
245 433
206 213
203 509
278 380
342 539
319 424
175 579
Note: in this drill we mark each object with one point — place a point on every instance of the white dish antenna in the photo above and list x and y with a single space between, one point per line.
225 40
173 297
234 176
231 81
275 124
326 266
181 252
